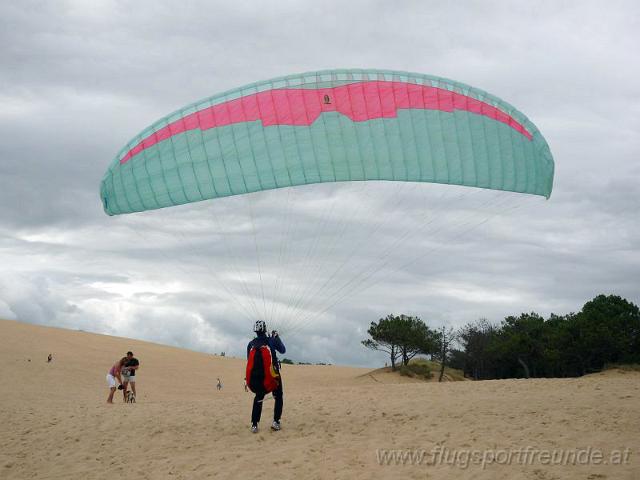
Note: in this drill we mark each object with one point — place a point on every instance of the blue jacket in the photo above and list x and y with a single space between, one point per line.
275 345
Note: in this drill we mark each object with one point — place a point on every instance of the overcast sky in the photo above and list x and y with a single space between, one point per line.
79 79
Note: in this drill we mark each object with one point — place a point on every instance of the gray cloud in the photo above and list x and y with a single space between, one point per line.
79 79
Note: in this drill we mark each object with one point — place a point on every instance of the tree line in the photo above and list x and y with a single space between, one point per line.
402 337
605 331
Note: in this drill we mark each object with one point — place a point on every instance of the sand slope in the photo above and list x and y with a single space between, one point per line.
54 422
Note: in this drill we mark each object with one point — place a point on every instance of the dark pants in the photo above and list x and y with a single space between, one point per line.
256 412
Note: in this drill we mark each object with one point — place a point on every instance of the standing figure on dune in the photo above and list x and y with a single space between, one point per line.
129 374
263 373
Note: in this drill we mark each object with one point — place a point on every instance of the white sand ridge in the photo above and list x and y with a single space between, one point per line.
54 422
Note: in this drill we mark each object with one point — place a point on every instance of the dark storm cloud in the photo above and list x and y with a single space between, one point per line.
79 79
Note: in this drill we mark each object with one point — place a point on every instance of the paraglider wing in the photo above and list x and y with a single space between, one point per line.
330 126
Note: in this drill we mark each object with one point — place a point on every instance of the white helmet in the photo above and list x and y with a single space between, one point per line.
260 326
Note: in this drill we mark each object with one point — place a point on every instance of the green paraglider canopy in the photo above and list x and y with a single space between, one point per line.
329 126
391 154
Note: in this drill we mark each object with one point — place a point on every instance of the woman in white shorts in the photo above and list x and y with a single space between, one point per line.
114 373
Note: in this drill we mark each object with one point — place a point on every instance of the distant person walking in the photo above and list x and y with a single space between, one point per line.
112 376
219 385
129 374
261 377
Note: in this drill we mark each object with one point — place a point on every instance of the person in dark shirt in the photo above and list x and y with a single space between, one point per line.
275 345
129 374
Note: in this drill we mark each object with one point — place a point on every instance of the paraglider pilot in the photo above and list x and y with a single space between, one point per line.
263 373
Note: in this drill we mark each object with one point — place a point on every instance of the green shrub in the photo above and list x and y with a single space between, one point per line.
416 370
627 367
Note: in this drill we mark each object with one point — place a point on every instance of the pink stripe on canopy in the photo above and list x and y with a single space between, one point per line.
360 101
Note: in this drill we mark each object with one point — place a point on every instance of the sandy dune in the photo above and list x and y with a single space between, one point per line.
54 422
